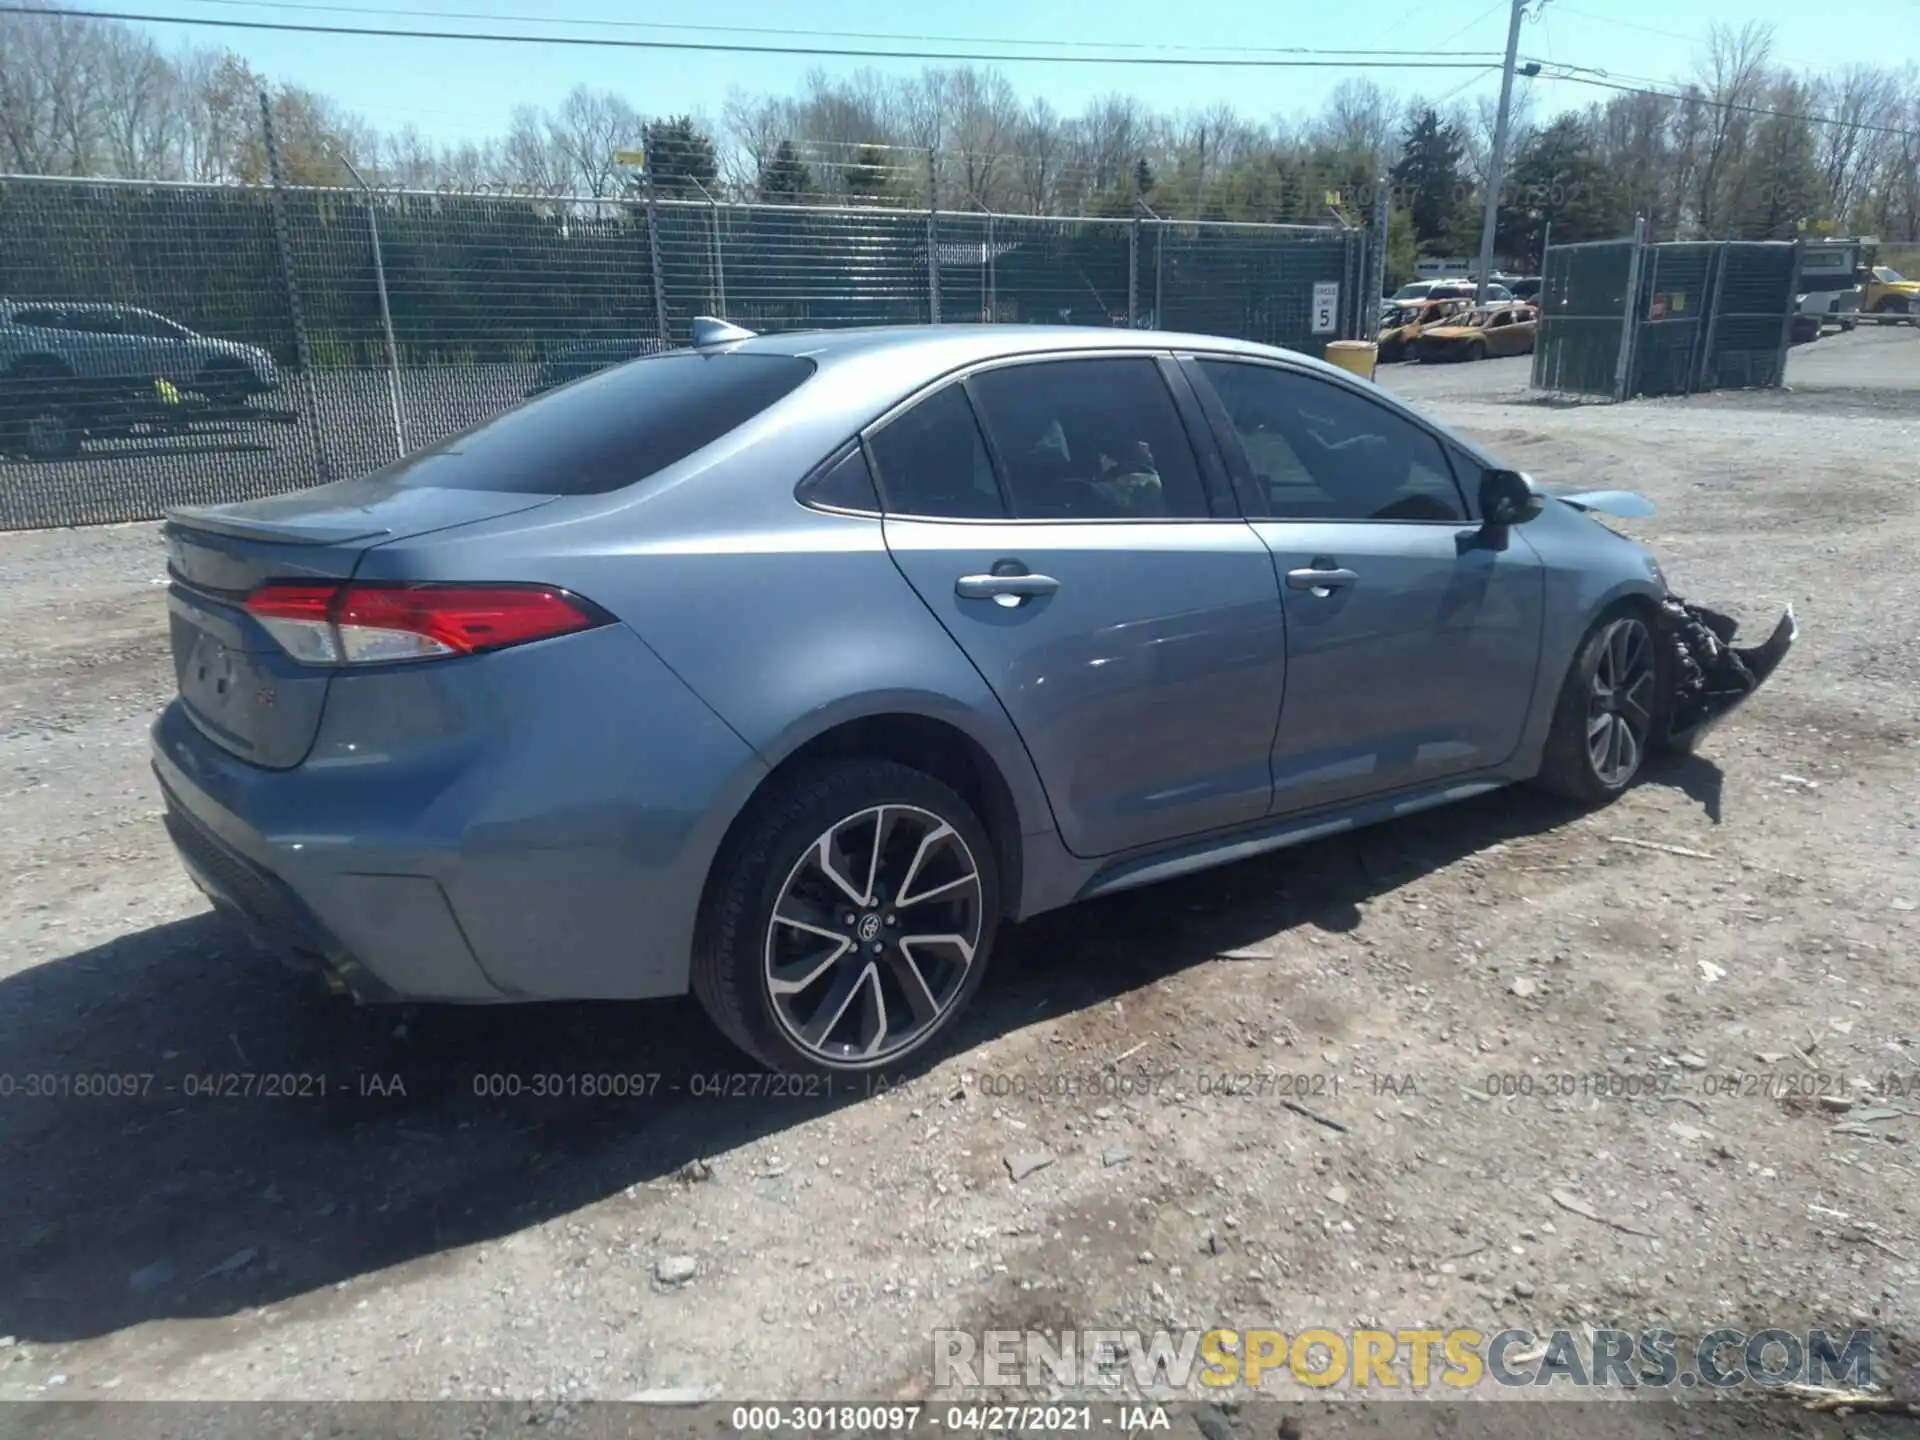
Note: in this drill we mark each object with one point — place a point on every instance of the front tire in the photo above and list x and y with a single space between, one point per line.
848 921
1603 725
224 383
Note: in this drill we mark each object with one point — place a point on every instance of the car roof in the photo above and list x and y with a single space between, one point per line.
915 354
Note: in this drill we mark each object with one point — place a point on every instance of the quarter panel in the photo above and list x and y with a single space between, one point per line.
568 796
786 621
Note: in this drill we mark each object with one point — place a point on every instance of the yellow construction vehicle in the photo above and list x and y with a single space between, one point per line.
1887 295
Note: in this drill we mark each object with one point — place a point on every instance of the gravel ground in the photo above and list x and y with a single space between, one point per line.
402 1237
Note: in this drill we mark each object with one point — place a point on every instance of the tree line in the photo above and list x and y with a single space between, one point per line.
1744 147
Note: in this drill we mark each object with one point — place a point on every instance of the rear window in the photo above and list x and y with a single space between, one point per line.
612 429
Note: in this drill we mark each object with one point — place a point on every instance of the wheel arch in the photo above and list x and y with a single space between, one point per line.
927 736
1567 625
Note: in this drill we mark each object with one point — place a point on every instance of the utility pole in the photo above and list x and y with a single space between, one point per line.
1496 163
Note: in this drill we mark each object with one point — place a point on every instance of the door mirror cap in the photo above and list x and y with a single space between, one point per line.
1507 498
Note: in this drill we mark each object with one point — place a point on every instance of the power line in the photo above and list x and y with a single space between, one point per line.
1630 25
717 47
1412 10
1471 80
1485 14
1707 102
337 9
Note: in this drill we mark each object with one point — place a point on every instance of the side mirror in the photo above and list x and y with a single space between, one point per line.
1507 498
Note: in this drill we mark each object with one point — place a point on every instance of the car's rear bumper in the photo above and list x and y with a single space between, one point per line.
267 908
534 824
382 937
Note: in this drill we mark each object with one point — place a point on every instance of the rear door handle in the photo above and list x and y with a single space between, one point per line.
993 587
1330 579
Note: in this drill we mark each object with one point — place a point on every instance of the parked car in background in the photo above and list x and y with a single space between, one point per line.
1525 287
589 357
1447 290
66 368
1478 334
788 668
1402 324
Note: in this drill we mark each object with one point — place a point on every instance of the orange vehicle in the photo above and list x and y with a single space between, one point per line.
1496 330
1402 324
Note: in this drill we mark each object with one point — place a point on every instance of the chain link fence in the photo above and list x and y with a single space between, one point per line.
166 344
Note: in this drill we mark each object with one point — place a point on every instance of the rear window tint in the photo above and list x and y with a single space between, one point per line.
612 429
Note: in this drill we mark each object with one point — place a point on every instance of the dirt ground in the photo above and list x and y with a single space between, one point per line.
1731 940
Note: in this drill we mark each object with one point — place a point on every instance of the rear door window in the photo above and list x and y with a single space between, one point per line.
933 463
612 430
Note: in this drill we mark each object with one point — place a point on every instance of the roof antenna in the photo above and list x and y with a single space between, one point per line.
709 331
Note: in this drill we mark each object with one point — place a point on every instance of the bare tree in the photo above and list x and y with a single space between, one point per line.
1038 153
532 156
1849 153
585 131
139 103
1733 78
986 124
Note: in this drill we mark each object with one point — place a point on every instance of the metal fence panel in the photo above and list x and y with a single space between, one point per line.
1753 309
1033 270
422 314
1253 282
1584 293
1674 296
1621 318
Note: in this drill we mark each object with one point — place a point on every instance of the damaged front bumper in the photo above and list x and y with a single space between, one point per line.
1713 677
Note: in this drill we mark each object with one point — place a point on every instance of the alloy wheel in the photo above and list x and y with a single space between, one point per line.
1620 702
873 934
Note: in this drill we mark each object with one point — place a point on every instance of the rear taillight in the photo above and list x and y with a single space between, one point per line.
370 624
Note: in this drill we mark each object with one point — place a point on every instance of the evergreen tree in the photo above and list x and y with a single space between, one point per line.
1429 182
1559 181
866 177
785 176
680 157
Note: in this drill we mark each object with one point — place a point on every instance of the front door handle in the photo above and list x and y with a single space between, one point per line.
1327 579
1007 587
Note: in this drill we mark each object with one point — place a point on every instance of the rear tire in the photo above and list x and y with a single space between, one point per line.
38 414
46 433
1609 707
848 920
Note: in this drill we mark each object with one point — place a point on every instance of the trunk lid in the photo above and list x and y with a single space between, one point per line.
238 686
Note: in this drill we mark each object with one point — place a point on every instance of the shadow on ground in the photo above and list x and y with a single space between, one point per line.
367 1138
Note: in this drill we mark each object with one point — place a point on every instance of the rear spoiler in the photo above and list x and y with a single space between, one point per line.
210 519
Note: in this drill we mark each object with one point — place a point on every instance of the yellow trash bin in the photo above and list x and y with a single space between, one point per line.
1353 355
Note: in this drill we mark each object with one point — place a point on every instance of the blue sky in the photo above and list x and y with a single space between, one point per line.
452 90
